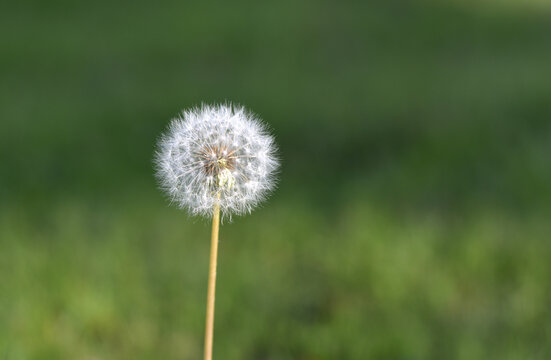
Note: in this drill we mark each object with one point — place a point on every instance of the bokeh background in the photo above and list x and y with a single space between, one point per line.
412 219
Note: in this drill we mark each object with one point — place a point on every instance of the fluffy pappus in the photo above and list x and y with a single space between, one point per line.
216 154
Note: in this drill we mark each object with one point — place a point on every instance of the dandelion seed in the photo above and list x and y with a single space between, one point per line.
201 145
216 159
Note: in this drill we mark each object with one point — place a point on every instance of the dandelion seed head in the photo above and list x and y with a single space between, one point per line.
216 154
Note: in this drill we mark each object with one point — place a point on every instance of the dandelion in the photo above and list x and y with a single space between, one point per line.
212 160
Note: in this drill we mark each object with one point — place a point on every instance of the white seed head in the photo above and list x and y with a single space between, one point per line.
216 154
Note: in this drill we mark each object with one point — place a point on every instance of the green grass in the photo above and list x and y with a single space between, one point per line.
90 283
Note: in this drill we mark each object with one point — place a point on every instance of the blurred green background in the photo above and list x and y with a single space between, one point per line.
412 215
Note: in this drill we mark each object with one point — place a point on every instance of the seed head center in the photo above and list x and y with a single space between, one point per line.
217 159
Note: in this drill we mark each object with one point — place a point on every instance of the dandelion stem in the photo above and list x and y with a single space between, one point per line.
209 327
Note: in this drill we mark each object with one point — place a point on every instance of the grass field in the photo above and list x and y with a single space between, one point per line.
412 215
84 281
